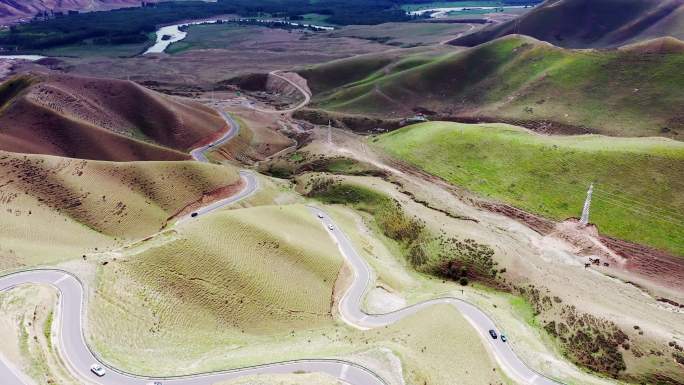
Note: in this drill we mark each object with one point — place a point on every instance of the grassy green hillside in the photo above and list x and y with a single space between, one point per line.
638 182
56 208
340 73
591 23
635 91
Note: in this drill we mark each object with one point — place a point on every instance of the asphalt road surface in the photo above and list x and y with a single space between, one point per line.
233 129
251 186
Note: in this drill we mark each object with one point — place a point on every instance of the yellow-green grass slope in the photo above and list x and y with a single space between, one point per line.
255 285
635 91
57 208
638 182
225 277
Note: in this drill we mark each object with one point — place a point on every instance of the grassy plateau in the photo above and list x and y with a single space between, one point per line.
637 195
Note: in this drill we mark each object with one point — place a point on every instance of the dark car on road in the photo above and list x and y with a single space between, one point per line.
193 215
492 333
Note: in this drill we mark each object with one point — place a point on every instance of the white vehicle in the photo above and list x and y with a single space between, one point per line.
154 383
97 369
320 215
330 227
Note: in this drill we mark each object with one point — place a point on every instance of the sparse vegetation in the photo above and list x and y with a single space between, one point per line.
589 341
158 311
467 260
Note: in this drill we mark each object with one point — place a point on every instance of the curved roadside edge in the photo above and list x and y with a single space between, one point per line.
350 309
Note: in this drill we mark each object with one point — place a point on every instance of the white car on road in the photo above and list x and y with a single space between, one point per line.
330 227
97 369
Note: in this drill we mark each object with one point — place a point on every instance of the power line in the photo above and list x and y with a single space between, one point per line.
641 212
629 201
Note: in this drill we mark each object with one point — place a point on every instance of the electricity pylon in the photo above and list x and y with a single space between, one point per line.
329 132
584 220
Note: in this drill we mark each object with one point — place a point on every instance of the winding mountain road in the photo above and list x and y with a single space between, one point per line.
350 307
199 154
78 356
302 90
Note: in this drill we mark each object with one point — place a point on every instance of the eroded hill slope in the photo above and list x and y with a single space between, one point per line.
55 208
91 118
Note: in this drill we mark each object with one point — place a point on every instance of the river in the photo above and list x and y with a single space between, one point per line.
22 57
174 33
443 12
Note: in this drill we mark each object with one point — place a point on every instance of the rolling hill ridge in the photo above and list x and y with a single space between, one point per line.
56 208
101 119
590 23
632 91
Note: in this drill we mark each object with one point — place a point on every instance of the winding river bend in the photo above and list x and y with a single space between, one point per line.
174 33
437 13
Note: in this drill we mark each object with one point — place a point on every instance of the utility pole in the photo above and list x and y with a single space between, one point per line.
584 220
329 132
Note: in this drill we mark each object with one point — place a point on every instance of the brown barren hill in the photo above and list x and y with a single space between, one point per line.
100 119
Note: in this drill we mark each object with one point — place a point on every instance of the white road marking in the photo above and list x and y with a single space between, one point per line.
343 372
65 276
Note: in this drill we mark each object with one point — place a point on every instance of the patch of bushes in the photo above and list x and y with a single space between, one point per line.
587 340
466 260
460 260
47 329
388 214
13 87
300 162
